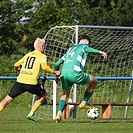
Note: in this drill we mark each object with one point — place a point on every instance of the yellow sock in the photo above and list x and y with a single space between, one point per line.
1 108
35 106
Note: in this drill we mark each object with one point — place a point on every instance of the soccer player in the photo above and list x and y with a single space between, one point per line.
73 63
27 79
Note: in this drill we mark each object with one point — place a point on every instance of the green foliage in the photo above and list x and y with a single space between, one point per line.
105 12
12 32
21 21
7 69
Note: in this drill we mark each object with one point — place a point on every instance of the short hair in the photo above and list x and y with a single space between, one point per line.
85 37
39 42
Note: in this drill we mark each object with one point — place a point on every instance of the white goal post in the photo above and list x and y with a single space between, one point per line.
117 42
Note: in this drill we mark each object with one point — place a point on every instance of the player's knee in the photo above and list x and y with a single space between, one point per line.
93 81
96 81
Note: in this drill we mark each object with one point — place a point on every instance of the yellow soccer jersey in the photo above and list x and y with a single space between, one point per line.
31 64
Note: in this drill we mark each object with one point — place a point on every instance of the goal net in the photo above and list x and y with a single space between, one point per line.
117 42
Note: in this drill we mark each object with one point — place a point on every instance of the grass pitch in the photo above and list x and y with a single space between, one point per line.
67 126
13 120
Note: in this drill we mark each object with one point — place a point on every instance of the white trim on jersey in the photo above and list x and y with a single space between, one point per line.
81 60
77 68
63 58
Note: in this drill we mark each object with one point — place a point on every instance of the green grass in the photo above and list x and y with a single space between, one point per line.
67 126
13 120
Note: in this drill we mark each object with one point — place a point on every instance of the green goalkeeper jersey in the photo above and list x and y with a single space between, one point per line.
75 58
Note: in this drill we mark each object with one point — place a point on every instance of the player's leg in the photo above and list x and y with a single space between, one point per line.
62 104
37 104
14 92
66 80
41 93
88 92
90 89
5 102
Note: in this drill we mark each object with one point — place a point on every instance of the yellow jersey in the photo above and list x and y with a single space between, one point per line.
30 67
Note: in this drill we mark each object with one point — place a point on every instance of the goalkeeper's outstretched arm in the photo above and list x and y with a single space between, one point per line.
104 54
57 64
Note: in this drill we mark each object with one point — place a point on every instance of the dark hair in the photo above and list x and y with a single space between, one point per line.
85 37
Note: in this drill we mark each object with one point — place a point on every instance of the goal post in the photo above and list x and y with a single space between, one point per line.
117 42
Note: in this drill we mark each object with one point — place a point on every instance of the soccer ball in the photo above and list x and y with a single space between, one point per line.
93 113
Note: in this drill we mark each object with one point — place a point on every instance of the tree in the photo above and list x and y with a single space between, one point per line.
21 21
105 12
12 32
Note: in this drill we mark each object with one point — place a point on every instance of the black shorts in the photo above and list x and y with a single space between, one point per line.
19 88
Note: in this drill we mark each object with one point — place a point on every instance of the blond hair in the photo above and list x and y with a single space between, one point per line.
39 42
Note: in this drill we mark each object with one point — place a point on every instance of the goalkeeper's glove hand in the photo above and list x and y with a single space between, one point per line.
57 79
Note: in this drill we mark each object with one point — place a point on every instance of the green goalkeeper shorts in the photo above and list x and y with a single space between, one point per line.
68 79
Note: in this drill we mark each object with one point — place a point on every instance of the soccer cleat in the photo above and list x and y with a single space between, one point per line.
33 118
86 106
58 118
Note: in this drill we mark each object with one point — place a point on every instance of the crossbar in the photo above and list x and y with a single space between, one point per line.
15 77
53 77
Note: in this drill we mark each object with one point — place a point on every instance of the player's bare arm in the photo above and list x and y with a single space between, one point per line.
57 78
104 54
57 73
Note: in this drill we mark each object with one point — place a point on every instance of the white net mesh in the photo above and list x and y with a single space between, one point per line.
117 42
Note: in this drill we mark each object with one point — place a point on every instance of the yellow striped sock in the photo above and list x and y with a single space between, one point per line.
35 106
1 108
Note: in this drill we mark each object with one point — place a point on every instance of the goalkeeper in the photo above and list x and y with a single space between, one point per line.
27 79
72 72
